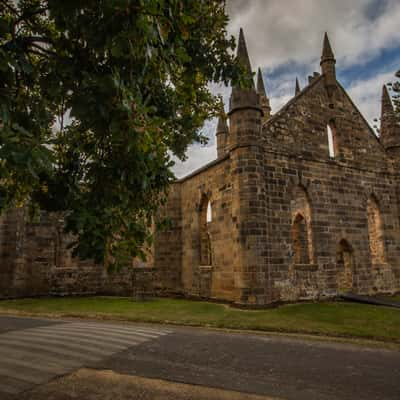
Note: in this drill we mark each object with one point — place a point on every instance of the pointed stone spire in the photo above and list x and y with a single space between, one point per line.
327 53
390 128
260 84
264 100
245 113
243 97
328 63
242 53
298 90
387 105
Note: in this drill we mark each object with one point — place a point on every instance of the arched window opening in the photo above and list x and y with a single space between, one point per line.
332 140
375 232
204 239
209 213
300 240
345 265
302 235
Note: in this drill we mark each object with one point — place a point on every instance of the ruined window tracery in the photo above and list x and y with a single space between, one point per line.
375 232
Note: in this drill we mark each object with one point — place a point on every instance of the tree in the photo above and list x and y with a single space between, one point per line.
94 97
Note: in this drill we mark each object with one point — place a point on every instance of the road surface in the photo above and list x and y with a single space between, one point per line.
34 352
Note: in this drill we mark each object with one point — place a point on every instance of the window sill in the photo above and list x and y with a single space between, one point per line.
205 267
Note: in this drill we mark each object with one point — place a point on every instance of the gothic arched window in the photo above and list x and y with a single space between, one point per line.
375 232
300 240
302 236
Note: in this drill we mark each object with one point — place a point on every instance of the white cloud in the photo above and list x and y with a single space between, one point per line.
280 31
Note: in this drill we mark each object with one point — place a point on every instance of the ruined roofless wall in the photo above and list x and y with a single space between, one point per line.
35 261
181 247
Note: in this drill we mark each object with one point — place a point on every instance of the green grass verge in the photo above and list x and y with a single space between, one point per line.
328 318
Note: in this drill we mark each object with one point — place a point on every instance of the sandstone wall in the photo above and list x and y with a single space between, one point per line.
24 268
338 191
168 246
35 261
338 199
216 280
249 208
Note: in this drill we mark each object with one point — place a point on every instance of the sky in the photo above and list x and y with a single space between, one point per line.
284 38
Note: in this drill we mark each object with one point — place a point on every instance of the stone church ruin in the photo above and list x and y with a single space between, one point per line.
302 204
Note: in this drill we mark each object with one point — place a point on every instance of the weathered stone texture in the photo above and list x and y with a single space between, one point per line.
168 249
35 261
339 191
197 278
24 272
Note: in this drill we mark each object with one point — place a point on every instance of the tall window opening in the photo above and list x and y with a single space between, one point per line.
205 240
302 236
345 265
332 140
209 213
375 232
300 240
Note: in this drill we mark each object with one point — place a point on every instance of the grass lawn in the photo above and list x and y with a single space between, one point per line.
328 318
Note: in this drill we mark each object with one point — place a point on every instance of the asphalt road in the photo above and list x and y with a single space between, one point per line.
34 351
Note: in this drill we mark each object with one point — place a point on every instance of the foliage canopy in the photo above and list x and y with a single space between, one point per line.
94 97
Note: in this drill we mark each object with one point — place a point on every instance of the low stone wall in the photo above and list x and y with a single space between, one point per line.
35 261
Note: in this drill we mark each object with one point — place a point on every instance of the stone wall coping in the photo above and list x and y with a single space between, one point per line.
202 169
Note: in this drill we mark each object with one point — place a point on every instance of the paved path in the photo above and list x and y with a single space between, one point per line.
34 351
